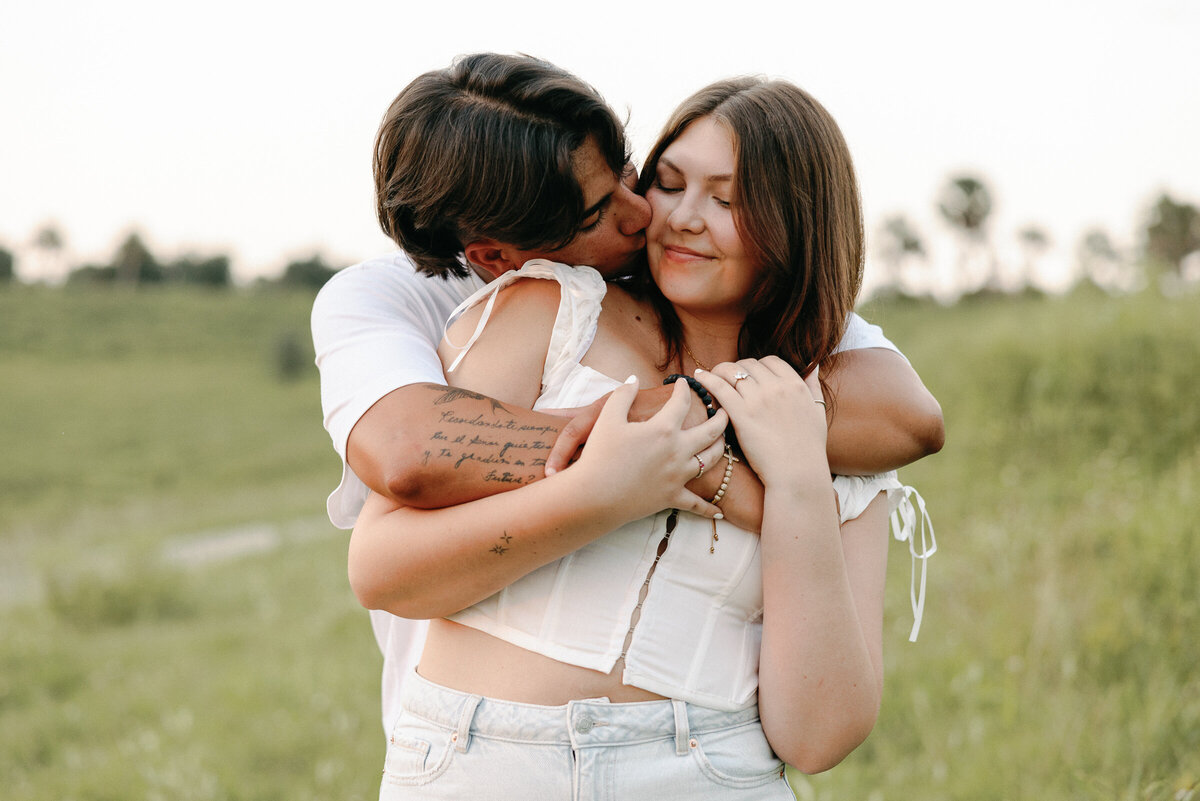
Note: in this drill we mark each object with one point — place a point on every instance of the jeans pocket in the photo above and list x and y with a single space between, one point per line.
417 751
737 757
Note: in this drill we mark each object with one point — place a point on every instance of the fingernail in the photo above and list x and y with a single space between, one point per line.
550 471
718 516
631 380
698 371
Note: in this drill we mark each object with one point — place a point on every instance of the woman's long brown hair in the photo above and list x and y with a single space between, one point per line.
796 207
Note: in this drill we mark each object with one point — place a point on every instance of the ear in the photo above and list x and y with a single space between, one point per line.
493 257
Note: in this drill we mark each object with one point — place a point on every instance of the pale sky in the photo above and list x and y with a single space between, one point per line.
246 127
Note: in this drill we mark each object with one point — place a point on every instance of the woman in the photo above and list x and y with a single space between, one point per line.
623 648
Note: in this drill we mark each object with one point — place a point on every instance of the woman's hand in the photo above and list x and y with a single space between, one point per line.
645 465
423 563
779 417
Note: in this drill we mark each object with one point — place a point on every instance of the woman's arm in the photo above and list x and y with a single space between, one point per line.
820 672
821 668
421 563
430 563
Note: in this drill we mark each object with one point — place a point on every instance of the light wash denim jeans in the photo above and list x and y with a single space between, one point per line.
452 745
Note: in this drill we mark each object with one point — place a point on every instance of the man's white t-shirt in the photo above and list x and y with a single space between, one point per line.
376 327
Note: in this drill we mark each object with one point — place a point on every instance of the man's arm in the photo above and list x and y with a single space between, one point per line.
429 446
883 417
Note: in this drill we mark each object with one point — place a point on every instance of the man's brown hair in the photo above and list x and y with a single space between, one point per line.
483 149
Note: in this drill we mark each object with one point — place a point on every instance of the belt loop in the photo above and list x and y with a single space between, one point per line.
682 733
462 734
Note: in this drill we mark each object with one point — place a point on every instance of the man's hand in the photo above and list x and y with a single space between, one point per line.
569 443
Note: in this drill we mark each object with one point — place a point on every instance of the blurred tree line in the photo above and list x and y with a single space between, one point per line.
133 264
1169 243
1168 252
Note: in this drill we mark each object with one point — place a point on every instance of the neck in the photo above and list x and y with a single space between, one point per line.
709 341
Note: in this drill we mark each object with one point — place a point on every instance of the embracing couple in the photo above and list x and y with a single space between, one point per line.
621 440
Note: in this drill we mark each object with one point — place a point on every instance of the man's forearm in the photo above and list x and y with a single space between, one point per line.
430 446
883 416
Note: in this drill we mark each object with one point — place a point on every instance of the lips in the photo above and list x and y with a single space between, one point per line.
684 254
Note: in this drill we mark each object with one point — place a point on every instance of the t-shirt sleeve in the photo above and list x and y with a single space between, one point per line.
375 327
861 334
368 342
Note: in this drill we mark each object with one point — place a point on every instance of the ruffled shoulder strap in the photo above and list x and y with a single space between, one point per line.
583 289
855 493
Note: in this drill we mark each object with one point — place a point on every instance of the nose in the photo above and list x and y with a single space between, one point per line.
633 210
685 216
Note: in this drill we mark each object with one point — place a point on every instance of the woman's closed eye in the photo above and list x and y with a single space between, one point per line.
672 189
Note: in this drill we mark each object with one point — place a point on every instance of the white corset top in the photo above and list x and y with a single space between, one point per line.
699 629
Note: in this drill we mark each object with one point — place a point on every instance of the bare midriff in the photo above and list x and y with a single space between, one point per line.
468 660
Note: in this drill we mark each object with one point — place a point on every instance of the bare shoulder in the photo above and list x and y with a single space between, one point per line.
628 339
507 359
525 301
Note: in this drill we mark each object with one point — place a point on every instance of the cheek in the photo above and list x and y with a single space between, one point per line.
659 210
730 241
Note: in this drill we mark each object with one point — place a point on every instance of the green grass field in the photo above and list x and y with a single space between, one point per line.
1058 658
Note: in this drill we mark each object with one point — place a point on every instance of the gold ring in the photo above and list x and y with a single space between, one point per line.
701 461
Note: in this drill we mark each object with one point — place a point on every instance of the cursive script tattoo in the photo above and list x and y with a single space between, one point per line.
506 477
451 418
492 444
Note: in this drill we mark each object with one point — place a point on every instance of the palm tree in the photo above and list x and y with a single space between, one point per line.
1099 261
899 243
1035 241
134 264
1172 233
966 203
49 242
7 266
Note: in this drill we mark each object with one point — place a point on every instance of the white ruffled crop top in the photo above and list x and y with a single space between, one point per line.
699 629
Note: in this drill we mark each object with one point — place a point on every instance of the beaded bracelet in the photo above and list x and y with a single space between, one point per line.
698 388
705 398
729 460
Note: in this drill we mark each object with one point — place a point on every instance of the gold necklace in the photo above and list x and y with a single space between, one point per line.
699 363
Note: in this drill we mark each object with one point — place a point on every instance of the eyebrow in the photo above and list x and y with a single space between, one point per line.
708 178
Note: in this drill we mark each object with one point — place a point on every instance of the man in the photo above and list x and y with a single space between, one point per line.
478 168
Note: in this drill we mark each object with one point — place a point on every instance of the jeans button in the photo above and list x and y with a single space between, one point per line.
584 725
